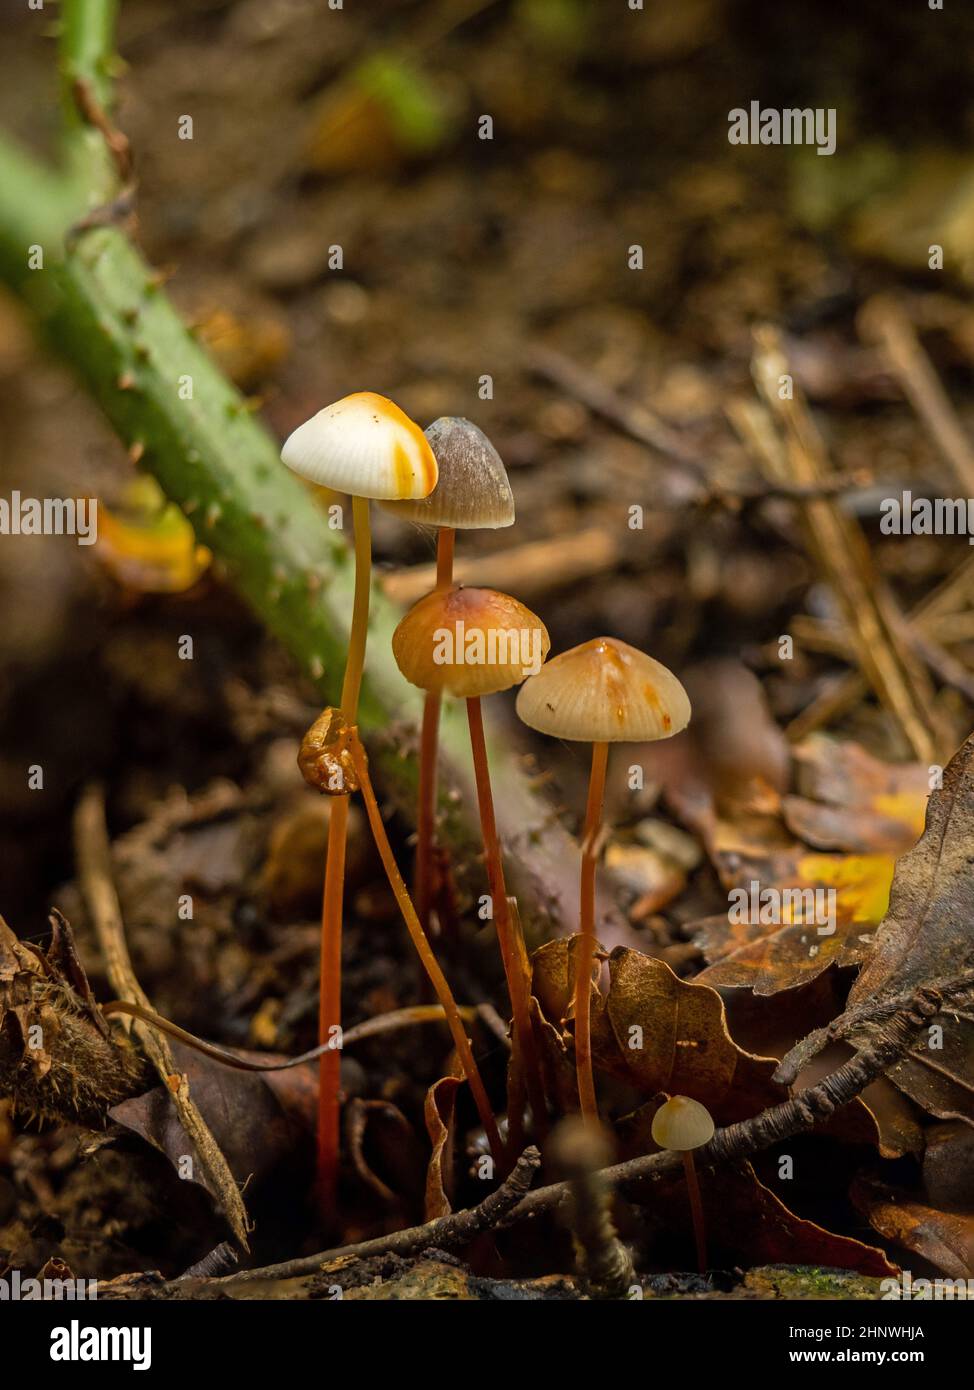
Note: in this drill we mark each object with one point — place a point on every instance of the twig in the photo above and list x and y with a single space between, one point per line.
848 689
789 446
93 854
446 1233
882 320
641 424
802 1112
581 1151
637 421
872 1012
530 569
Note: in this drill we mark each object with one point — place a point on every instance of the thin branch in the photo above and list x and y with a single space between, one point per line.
884 321
802 1112
93 852
446 1233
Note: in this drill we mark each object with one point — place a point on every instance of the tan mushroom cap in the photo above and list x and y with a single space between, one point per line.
364 445
604 692
469 642
682 1124
473 491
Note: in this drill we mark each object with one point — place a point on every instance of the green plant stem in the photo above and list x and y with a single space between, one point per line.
102 309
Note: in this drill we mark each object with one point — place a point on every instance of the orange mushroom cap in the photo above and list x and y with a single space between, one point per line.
469 642
364 445
604 692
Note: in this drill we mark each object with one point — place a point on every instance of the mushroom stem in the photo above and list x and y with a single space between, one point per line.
426 809
330 979
696 1211
514 954
355 661
445 546
586 946
425 951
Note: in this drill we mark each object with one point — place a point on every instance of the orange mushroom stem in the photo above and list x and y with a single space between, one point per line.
601 692
366 446
425 951
473 642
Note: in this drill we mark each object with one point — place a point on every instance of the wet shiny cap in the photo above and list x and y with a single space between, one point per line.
468 642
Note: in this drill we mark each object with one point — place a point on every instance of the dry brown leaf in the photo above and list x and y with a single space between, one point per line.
658 1033
439 1110
945 1239
928 937
853 802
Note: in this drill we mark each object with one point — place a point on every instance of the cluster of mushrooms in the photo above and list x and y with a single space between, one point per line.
604 691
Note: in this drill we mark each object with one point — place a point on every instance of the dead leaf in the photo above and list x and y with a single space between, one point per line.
944 1238
852 802
928 936
259 1121
439 1110
657 1032
948 1165
147 545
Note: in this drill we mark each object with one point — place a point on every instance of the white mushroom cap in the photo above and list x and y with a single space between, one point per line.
604 691
682 1124
473 491
363 445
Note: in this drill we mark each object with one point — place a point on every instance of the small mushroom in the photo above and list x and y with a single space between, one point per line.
602 692
366 446
469 643
683 1124
473 493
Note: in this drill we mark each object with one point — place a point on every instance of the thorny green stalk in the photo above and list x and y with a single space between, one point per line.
101 307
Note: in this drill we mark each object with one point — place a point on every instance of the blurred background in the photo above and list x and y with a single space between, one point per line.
464 259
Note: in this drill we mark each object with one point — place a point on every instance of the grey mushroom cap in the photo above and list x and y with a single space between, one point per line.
473 492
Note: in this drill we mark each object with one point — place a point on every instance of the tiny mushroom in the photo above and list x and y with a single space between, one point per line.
473 493
469 643
602 692
366 446
683 1124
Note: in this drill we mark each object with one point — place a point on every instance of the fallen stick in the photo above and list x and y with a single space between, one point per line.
787 444
802 1112
536 567
93 853
883 321
847 690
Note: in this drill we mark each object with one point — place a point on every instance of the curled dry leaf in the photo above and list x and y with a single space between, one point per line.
383 1148
944 1238
440 1111
928 937
657 1032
